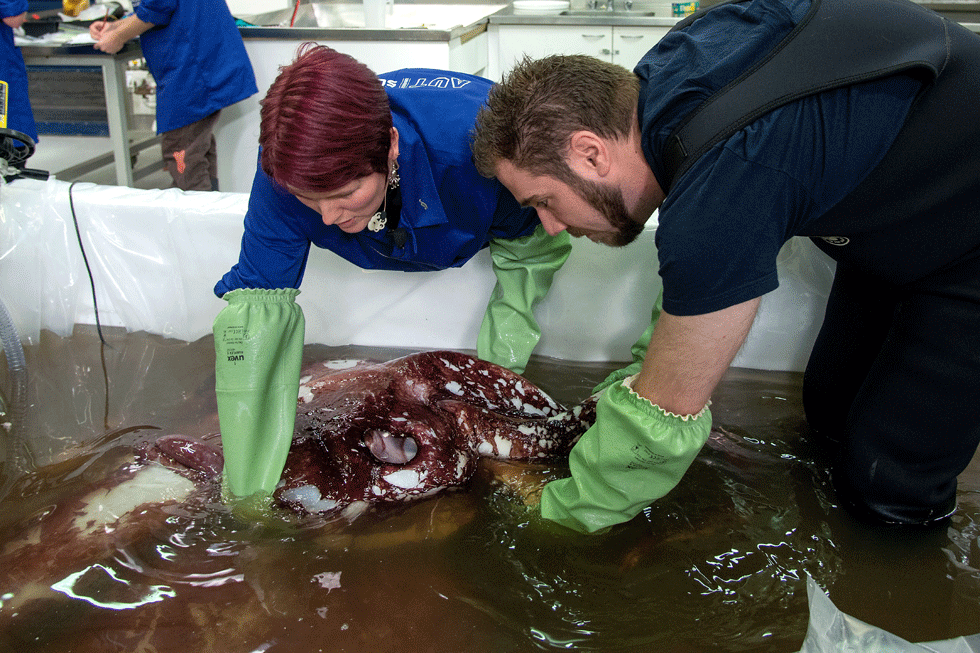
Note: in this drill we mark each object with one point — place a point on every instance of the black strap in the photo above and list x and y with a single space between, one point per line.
838 43
397 235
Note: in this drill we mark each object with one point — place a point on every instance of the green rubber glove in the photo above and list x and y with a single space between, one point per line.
525 268
634 454
258 344
639 349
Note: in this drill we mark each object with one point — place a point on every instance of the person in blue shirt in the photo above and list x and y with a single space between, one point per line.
377 169
852 122
17 106
200 66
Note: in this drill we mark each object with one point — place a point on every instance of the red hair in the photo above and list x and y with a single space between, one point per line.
324 122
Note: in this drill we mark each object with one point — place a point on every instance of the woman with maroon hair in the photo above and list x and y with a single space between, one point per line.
378 169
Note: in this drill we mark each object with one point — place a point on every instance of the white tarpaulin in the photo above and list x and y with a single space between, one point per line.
832 631
154 257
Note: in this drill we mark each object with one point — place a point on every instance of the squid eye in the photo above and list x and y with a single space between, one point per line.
391 449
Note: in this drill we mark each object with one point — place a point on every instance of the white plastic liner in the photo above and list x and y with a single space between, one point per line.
156 255
832 631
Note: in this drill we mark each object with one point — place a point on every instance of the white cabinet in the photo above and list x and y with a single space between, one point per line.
537 41
614 43
631 43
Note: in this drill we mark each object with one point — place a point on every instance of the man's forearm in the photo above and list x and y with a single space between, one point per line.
688 356
111 37
130 27
15 21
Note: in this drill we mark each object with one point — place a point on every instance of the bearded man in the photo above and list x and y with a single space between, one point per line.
852 122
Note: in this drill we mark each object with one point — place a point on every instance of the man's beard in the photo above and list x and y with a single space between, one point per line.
609 202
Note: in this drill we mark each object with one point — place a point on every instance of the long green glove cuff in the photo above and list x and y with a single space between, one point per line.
634 454
258 344
525 268
639 349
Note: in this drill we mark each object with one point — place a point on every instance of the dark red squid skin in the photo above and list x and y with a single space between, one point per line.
454 407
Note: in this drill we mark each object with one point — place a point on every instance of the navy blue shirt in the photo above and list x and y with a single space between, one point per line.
723 223
449 212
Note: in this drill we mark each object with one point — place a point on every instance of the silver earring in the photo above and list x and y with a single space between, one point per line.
393 177
380 219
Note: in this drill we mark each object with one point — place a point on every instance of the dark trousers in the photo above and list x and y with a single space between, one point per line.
893 386
190 154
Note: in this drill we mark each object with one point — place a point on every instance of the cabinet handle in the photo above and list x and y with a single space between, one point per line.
593 36
608 51
631 36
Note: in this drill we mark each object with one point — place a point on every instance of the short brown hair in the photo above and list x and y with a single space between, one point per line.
530 116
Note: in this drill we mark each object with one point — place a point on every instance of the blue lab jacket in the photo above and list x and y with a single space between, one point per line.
449 212
14 72
196 57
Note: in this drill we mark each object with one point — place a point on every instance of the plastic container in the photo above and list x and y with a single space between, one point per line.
681 9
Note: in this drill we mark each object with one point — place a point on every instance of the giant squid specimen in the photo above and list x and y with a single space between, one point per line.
369 435
392 432
410 428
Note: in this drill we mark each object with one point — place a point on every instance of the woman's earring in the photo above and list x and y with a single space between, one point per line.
393 177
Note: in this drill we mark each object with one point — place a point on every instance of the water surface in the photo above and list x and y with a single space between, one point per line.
719 564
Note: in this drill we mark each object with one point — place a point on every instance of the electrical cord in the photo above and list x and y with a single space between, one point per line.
88 268
95 303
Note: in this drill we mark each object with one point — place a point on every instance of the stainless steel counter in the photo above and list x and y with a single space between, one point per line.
345 22
330 21
638 18
464 33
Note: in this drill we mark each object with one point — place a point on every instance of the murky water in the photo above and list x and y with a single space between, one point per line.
718 565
